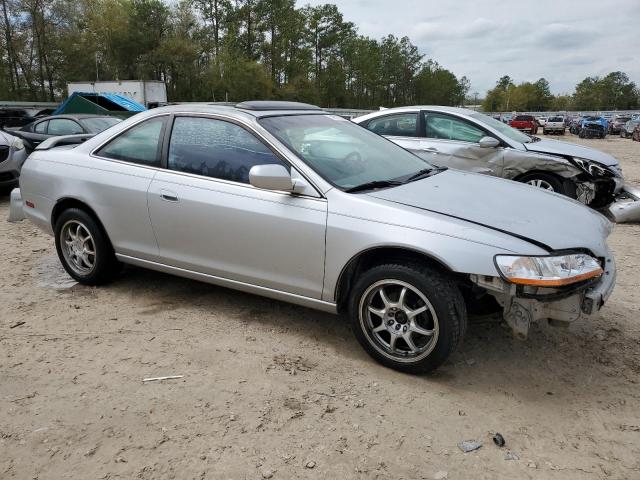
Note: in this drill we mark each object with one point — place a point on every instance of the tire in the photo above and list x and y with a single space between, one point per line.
443 318
546 181
582 134
76 229
544 132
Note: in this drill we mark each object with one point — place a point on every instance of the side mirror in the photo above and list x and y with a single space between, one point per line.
271 177
489 142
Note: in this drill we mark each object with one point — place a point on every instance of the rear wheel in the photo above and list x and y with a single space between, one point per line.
84 248
408 317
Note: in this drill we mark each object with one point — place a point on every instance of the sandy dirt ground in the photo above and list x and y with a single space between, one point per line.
277 391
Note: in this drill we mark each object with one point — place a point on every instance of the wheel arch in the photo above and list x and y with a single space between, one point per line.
71 202
378 255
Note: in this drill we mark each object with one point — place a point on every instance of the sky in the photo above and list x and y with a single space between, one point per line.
563 41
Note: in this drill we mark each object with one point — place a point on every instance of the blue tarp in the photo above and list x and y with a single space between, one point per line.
121 101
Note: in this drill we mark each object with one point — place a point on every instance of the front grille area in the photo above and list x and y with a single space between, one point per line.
4 152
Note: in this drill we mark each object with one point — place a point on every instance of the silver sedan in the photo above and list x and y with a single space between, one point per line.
472 141
287 201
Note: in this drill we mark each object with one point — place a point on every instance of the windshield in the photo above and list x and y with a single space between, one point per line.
555 119
592 119
99 124
343 153
503 128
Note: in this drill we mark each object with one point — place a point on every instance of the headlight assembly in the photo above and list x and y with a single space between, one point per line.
595 169
548 271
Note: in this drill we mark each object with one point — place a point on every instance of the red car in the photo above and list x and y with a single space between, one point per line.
526 123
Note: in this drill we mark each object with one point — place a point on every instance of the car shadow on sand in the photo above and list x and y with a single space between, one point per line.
584 359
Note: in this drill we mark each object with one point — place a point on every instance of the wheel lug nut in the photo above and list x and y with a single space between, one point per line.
390 322
404 329
397 327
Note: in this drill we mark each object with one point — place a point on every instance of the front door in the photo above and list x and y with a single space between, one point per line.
209 219
453 142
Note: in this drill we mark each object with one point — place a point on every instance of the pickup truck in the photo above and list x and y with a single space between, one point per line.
554 125
526 123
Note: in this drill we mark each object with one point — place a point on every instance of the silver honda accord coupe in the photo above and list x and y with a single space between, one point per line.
287 201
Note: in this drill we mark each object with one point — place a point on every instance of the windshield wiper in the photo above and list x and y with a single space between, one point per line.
424 173
373 185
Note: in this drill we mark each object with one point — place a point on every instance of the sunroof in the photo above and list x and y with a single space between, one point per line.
262 105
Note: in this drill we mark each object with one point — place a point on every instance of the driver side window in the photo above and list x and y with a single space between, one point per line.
398 125
446 127
217 149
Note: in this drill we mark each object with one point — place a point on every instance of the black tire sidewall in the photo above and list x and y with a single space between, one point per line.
439 290
106 264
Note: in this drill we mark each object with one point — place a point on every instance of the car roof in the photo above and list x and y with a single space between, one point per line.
252 109
413 108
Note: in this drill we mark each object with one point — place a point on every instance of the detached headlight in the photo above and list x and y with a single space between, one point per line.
17 143
555 271
595 169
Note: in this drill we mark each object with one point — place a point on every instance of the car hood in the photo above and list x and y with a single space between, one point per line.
556 147
546 219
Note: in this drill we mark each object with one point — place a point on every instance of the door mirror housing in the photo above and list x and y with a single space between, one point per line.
271 177
489 142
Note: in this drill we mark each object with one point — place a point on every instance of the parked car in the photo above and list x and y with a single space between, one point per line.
593 127
618 122
627 130
554 125
542 121
253 197
525 123
57 125
467 140
11 117
574 126
506 118
12 156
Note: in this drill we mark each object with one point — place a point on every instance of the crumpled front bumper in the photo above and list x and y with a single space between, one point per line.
520 310
626 207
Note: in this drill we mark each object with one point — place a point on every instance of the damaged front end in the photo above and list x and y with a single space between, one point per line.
523 305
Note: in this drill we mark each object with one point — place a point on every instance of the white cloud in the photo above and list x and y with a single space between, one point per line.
487 39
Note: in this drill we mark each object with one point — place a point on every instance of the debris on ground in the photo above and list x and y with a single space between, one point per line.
17 324
511 456
310 464
155 379
469 445
498 440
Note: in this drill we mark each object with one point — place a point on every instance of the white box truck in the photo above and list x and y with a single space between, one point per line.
150 93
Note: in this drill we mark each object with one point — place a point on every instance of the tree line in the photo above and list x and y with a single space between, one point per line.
612 92
214 50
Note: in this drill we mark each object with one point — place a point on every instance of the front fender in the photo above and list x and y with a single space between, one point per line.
518 162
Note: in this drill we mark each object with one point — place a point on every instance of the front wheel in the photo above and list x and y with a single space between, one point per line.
545 181
408 317
84 248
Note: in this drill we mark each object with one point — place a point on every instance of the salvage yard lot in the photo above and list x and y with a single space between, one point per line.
272 390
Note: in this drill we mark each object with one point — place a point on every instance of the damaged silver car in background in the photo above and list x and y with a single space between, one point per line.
467 140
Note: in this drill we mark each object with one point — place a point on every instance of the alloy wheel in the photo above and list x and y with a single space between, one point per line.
398 320
538 183
78 247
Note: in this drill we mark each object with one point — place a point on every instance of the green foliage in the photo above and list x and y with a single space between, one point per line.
213 50
613 92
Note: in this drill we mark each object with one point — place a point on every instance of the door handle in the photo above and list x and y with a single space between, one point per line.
168 195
